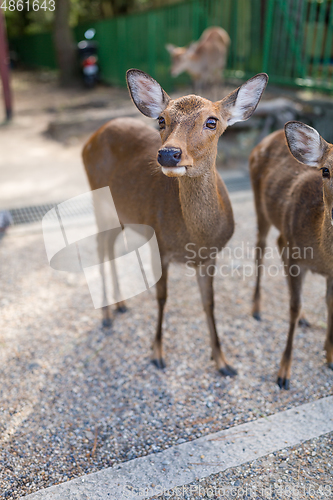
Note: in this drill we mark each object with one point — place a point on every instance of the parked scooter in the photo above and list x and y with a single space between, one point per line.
88 59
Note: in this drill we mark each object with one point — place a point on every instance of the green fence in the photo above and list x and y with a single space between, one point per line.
289 39
139 40
298 40
35 50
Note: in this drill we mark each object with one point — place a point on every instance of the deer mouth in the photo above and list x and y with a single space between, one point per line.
174 171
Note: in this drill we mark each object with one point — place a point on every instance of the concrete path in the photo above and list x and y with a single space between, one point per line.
182 464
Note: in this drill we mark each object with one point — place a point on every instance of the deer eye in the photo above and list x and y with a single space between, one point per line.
325 173
161 122
211 123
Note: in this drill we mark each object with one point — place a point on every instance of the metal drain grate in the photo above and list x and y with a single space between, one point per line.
27 215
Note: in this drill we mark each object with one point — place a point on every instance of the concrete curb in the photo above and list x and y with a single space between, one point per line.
150 475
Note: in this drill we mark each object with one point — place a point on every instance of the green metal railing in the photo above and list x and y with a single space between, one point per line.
292 40
298 47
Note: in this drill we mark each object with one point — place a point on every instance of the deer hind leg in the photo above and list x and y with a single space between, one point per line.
302 321
205 283
329 337
295 289
101 248
120 304
263 228
161 293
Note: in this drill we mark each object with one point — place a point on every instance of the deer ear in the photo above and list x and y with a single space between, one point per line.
242 102
305 144
147 94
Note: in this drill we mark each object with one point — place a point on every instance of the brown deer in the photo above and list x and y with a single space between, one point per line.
168 180
298 200
203 60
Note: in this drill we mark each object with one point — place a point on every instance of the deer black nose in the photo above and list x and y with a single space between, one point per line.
169 157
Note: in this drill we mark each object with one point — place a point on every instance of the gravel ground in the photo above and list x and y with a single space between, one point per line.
300 472
76 398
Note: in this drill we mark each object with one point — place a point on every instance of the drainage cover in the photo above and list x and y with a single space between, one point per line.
27 215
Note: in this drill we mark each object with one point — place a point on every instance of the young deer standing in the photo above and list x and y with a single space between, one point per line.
298 200
172 184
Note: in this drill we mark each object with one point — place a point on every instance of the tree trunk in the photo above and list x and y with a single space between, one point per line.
64 43
4 68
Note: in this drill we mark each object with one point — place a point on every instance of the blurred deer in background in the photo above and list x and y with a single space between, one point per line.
203 60
168 180
298 200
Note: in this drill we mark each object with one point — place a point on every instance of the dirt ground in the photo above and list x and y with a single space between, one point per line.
34 168
74 397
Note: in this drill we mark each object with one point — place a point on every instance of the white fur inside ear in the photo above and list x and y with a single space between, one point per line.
304 143
247 100
147 93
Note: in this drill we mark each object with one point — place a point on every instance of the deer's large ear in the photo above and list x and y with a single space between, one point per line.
147 94
242 102
305 144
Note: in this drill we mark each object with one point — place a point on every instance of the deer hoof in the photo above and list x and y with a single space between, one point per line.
330 365
304 323
283 383
257 316
106 323
122 309
159 363
228 371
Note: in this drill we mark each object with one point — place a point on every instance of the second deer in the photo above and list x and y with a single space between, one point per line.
168 180
203 60
298 200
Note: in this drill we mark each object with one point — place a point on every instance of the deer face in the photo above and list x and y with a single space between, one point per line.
190 126
309 148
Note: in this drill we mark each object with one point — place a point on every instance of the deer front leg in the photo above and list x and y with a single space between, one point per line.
101 248
161 292
329 336
120 304
205 283
295 290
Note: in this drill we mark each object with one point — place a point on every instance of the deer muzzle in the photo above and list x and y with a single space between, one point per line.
169 157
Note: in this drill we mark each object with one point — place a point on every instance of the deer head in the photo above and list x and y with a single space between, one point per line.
309 148
191 126
180 57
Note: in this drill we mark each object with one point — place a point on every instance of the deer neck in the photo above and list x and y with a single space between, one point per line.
203 208
326 235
